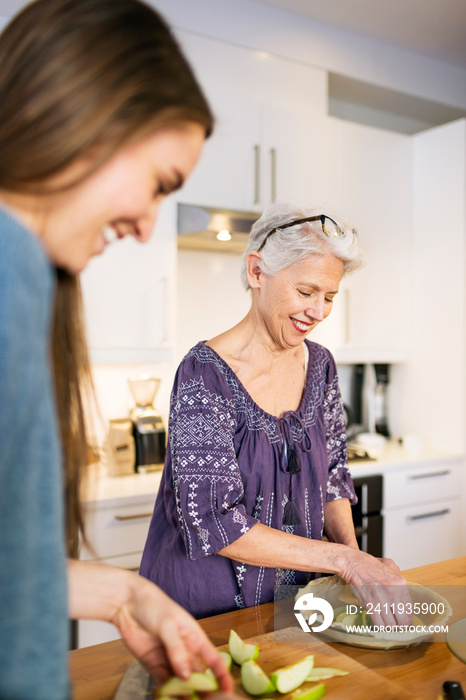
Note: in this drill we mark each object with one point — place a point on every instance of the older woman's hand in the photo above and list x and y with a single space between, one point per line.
159 632
379 586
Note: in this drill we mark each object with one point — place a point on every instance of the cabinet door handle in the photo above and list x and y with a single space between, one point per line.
165 310
273 175
257 174
433 514
347 315
429 475
134 516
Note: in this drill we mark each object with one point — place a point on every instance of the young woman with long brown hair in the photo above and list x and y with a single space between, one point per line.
101 117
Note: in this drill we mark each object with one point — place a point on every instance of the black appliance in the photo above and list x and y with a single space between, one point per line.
365 390
148 429
149 437
380 399
367 514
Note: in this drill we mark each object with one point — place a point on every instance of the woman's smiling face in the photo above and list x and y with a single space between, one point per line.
122 196
295 300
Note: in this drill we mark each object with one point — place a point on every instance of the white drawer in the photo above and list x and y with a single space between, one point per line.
424 534
421 484
118 530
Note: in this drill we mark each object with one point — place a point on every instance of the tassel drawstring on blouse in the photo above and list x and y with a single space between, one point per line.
292 461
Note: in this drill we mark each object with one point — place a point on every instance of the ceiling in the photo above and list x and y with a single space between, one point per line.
435 28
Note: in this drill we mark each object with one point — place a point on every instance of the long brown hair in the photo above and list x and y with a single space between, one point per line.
80 79
74 390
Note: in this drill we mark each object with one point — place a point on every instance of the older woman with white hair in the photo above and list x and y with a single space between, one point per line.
256 468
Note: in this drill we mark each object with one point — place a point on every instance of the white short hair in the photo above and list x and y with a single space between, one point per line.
283 248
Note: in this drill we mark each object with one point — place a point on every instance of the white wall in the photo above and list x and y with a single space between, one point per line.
114 397
207 279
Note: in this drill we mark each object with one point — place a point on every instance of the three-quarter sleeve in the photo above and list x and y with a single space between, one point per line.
206 476
339 484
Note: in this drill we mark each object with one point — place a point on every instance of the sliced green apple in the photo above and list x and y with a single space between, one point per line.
321 673
291 677
197 682
227 659
254 680
349 620
241 651
341 615
314 693
338 611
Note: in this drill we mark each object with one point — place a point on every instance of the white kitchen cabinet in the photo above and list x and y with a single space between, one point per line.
373 190
424 534
117 529
274 141
117 515
270 140
298 158
228 172
128 295
260 154
434 379
423 512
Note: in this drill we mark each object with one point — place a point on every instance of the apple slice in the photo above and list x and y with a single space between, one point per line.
349 620
314 693
254 680
338 611
197 682
340 617
321 673
227 659
291 677
241 651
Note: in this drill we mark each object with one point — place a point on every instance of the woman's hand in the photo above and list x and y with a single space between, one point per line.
379 585
163 636
372 580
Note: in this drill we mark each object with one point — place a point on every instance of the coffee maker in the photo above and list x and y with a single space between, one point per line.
148 428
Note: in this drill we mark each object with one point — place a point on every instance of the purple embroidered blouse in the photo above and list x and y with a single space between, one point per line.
226 470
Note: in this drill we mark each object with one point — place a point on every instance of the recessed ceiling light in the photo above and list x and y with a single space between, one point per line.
224 235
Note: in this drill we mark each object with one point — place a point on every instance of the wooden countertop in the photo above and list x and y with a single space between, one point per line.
421 670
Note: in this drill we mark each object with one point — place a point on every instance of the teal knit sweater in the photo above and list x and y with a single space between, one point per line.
33 598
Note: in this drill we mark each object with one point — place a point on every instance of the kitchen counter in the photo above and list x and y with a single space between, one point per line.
416 672
395 456
99 487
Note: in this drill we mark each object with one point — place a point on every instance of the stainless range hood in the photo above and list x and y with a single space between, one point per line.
218 230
